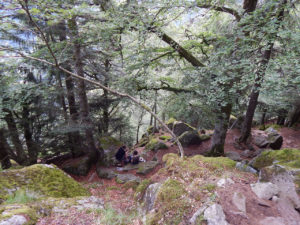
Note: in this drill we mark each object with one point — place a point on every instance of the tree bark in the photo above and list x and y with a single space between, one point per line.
4 152
83 101
14 134
220 131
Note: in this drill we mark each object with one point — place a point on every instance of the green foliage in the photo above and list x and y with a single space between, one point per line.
21 196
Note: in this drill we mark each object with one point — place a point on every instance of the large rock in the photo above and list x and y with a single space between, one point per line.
42 179
215 215
239 201
233 156
155 145
275 141
180 127
265 190
106 173
271 139
150 197
190 138
124 178
110 147
260 141
146 167
80 166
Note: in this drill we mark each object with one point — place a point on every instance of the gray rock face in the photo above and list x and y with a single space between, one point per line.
234 156
123 178
260 141
14 220
190 138
239 200
150 197
271 139
179 128
265 190
215 215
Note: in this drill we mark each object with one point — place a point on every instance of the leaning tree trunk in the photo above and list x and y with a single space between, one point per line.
83 101
219 136
247 124
4 156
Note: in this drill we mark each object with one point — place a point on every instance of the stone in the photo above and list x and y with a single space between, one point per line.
239 201
90 203
146 167
222 182
106 173
197 214
190 138
179 128
214 215
242 166
247 153
14 220
275 141
273 221
80 167
260 141
110 146
234 156
150 197
265 190
123 178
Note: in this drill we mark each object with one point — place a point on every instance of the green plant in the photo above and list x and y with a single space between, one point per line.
21 196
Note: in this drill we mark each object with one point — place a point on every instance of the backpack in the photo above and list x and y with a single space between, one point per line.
135 159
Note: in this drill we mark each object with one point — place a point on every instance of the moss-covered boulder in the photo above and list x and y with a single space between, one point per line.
180 127
146 167
17 214
155 145
190 138
42 179
124 178
110 147
288 157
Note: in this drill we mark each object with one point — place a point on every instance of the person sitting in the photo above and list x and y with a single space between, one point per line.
135 158
121 154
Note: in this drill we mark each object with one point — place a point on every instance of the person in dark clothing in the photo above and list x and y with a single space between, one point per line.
135 158
121 154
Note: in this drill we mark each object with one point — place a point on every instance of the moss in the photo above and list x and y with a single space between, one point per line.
204 137
170 121
289 157
25 210
217 162
172 206
170 158
155 145
108 142
141 189
209 187
45 180
165 137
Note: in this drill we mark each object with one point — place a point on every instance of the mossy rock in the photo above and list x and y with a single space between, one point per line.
10 214
190 138
79 167
110 147
106 173
165 137
180 127
124 178
146 167
155 145
45 180
288 157
170 203
141 189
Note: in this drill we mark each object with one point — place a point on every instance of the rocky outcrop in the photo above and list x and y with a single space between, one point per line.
78 167
155 145
146 167
190 138
124 178
214 215
271 139
42 179
110 147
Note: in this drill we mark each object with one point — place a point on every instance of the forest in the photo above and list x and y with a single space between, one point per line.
193 86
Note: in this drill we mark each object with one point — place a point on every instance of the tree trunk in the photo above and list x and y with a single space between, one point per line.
32 146
4 152
14 134
106 119
155 111
247 124
83 102
263 118
219 136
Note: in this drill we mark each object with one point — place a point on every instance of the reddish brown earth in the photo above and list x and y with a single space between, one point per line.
122 198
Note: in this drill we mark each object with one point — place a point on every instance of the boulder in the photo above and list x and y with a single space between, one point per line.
190 138
239 201
110 147
79 167
106 173
275 141
155 145
233 156
42 179
146 167
214 215
260 141
265 190
180 127
150 197
242 166
124 178
271 139
17 214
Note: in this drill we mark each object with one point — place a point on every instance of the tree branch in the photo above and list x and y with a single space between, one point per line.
221 9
